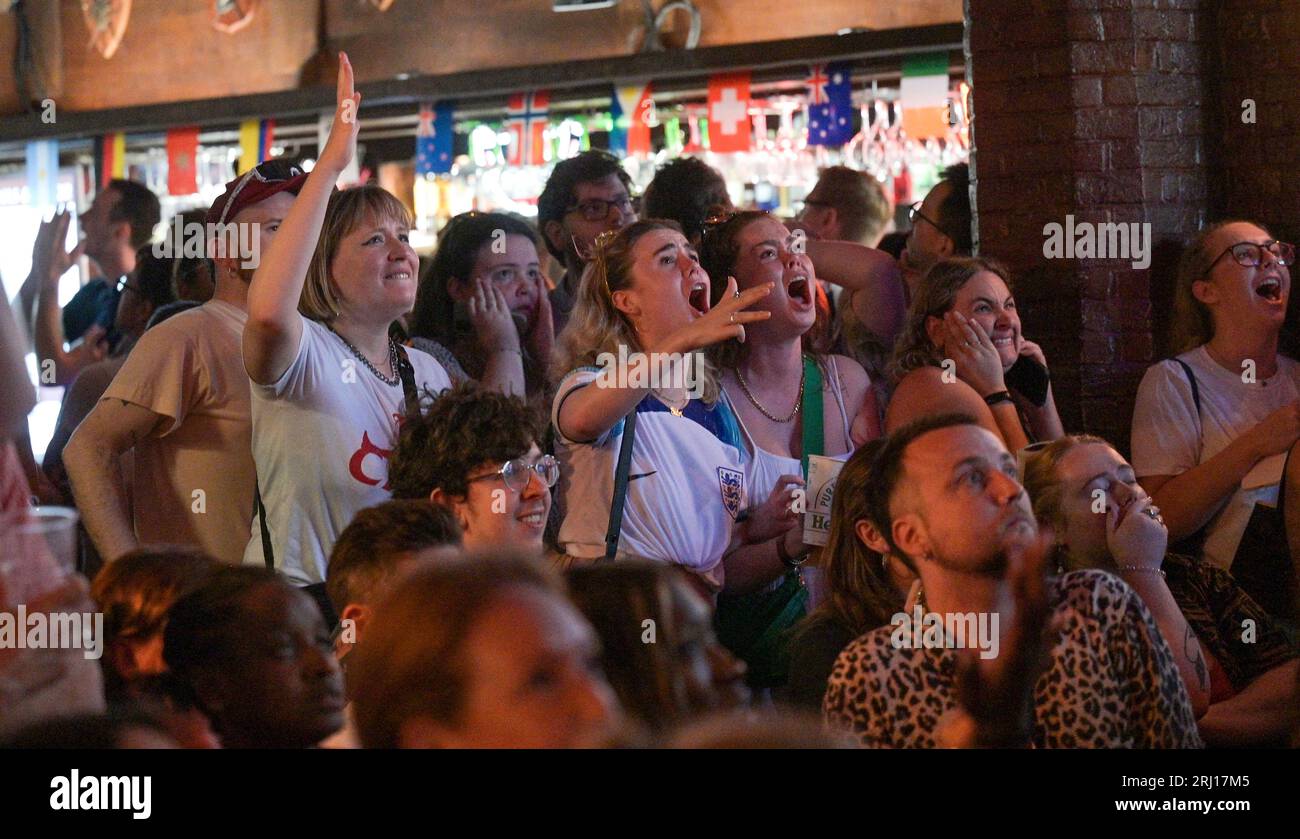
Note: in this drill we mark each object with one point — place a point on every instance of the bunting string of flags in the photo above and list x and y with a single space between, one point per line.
730 120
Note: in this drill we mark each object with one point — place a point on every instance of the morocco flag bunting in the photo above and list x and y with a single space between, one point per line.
182 146
729 112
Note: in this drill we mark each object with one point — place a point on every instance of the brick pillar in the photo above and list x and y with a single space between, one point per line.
1253 63
1088 108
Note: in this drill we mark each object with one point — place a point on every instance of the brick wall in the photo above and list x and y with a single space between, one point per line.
1254 168
1089 108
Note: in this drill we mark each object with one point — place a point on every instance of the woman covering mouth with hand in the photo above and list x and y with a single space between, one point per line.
644 292
962 350
328 382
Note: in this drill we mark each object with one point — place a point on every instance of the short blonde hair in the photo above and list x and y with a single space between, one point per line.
1042 479
320 299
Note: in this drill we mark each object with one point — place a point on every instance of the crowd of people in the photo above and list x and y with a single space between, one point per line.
344 497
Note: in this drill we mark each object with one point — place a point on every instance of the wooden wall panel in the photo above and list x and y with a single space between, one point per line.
171 53
8 87
442 36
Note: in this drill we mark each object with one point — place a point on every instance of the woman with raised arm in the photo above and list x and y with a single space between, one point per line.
643 298
482 308
1213 426
329 385
962 350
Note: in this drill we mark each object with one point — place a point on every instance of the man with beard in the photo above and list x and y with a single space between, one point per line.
1074 661
181 403
584 197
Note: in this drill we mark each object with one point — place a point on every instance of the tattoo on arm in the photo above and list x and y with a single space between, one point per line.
1192 650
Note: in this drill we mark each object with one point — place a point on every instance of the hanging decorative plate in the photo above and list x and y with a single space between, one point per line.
106 20
230 16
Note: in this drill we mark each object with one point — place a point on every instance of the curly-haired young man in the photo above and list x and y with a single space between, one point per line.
475 452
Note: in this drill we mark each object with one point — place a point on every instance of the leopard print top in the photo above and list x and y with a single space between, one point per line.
1111 682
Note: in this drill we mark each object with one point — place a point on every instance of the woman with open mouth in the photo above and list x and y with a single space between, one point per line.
767 381
644 298
482 309
962 350
1213 427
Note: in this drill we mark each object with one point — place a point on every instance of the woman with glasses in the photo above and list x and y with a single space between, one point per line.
1213 426
962 350
475 452
482 308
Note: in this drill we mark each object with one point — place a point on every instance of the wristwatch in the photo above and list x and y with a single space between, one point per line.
995 398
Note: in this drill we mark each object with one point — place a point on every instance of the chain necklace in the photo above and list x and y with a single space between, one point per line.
392 359
798 402
672 408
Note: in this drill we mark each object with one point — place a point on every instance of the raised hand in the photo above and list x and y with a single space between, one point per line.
1034 351
541 340
997 694
48 256
725 320
977 360
490 315
341 147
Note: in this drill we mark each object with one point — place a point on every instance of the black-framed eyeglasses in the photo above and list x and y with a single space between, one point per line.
914 213
597 209
1251 254
516 472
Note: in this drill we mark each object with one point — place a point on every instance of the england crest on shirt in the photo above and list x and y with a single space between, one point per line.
732 483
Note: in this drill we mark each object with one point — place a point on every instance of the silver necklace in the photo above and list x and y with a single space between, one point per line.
392 359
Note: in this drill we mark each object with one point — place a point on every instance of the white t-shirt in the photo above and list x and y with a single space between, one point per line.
686 483
193 479
1169 438
322 434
